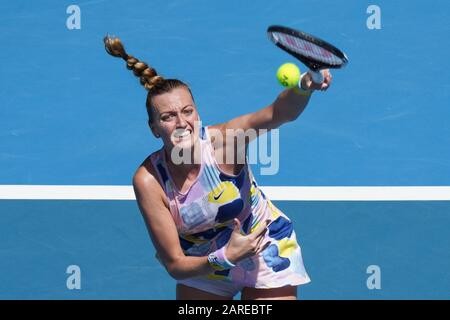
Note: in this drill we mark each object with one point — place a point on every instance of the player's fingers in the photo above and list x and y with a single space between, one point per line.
327 76
316 86
260 235
261 238
263 247
325 73
260 230
237 225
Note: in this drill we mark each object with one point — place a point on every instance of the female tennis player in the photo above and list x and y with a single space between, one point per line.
213 228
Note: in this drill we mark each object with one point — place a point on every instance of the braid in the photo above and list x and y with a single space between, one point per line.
148 77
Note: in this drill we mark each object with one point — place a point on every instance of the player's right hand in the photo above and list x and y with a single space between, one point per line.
242 246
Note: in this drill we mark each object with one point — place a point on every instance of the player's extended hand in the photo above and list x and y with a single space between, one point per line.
242 246
307 82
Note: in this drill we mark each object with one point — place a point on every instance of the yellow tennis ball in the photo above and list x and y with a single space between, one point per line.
288 75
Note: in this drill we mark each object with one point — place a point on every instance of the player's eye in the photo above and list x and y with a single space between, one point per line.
167 117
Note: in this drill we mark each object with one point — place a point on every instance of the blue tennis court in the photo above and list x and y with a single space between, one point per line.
70 115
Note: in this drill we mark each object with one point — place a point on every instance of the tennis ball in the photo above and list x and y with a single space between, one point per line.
288 75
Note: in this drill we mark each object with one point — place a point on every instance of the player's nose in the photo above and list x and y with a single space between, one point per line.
181 121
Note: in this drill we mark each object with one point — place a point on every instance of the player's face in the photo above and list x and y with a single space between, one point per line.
176 119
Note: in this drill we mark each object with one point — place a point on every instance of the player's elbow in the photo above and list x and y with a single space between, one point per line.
177 276
287 117
175 271
176 268
279 116
293 117
173 274
293 113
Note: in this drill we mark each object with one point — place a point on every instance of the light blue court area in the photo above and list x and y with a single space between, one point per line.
72 115
107 240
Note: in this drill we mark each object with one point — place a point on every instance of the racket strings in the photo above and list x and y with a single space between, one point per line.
307 49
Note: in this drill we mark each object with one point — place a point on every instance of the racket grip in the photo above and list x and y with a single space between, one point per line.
316 76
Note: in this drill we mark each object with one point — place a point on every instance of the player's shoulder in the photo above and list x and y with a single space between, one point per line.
147 186
145 176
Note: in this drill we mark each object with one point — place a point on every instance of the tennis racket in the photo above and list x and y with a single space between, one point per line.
313 52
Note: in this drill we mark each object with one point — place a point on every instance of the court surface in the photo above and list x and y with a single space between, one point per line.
71 115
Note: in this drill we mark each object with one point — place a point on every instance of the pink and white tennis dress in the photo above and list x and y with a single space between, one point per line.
204 219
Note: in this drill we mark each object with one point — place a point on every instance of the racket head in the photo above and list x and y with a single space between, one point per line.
314 52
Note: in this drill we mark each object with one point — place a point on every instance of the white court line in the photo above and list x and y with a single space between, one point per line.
410 193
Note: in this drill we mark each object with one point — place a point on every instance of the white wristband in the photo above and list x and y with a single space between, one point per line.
218 260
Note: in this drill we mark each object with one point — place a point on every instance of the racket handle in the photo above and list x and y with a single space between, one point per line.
316 76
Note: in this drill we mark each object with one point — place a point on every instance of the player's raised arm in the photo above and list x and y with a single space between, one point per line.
287 107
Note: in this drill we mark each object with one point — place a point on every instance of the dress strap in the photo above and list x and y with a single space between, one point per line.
161 169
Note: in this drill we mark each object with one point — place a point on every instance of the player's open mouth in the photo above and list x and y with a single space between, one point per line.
181 134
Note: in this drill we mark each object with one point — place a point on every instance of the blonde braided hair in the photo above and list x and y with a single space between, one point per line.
154 83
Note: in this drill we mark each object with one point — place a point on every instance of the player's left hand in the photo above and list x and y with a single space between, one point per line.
307 82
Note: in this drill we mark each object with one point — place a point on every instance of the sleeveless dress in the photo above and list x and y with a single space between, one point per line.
204 216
